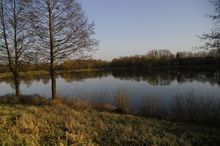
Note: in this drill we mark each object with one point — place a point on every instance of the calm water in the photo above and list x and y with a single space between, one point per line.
138 85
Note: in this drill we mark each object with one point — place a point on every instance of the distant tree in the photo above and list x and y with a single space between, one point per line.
212 39
152 56
15 37
63 31
177 55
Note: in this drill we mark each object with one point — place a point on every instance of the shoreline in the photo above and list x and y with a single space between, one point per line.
6 75
61 125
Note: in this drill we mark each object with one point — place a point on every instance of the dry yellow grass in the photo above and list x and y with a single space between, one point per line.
62 125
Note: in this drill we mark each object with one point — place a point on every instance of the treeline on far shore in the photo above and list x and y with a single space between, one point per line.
154 58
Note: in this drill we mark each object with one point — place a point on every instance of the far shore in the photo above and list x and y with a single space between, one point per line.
44 72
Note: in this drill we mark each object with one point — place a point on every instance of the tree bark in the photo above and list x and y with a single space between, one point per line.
16 74
53 84
17 83
52 68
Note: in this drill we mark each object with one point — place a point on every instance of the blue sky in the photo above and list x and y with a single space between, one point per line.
129 27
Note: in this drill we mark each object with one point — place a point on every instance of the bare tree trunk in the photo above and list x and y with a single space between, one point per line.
17 83
53 84
16 74
52 69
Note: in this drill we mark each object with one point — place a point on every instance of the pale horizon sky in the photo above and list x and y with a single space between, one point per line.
129 27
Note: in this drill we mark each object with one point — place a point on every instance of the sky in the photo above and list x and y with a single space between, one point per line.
132 27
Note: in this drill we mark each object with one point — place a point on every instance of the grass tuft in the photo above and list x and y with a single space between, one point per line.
121 99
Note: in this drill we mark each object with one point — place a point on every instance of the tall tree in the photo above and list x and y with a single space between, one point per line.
63 31
15 36
212 39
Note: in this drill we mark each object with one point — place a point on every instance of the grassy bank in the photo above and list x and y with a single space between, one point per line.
24 74
62 125
42 72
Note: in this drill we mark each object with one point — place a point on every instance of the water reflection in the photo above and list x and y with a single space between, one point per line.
147 92
163 84
165 77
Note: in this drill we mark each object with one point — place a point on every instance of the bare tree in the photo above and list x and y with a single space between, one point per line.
63 31
15 38
212 39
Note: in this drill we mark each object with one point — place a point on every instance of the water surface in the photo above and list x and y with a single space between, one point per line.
138 85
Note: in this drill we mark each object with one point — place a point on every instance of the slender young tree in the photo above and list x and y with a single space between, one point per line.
63 31
14 36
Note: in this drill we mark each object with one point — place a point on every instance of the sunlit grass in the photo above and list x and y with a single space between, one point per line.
62 125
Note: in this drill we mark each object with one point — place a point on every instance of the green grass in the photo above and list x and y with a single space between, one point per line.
62 125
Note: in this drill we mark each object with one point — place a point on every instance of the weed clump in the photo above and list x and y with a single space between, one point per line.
197 108
122 105
152 107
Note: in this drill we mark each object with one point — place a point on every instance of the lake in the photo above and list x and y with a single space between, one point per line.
138 85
